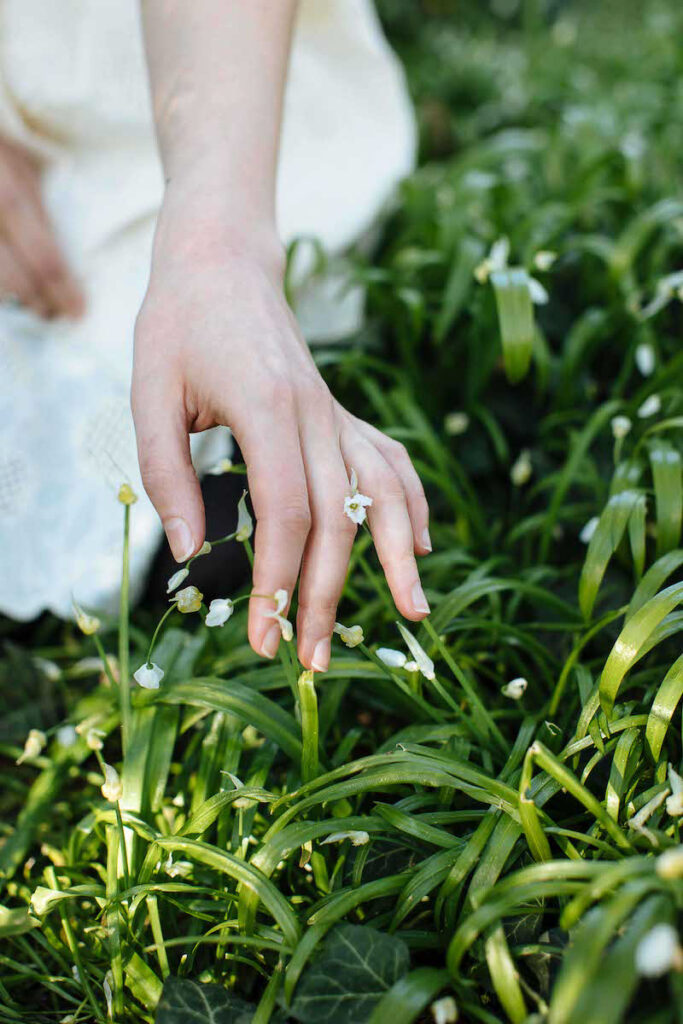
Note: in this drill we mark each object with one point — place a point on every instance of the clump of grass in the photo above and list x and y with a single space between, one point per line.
499 832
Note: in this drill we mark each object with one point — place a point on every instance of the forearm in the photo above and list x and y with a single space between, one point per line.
217 71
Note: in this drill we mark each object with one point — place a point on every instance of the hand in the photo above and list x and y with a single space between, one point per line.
32 268
217 344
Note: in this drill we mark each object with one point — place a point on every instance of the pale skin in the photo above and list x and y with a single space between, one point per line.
217 344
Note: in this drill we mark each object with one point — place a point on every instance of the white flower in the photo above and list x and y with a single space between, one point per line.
670 863
112 788
456 423
544 259
43 900
88 624
589 529
645 359
650 407
515 688
176 579
205 549
355 506
35 742
220 467
245 524
357 837
350 635
392 658
108 994
181 868
674 803
50 669
281 598
76 973
444 1011
620 427
424 662
220 610
411 666
522 469
66 735
188 600
658 951
93 739
497 259
149 676
539 296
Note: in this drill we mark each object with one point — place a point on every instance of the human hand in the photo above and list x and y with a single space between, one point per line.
215 344
32 269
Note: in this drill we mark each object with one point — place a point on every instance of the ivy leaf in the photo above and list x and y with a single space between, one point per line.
187 1002
355 967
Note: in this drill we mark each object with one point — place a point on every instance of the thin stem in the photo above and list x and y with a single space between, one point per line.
51 878
124 641
156 632
122 840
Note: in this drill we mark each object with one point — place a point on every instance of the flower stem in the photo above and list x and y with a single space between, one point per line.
52 881
124 642
156 632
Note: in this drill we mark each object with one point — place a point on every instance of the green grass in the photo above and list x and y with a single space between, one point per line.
510 855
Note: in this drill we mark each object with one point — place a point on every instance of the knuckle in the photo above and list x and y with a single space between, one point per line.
278 394
293 516
390 486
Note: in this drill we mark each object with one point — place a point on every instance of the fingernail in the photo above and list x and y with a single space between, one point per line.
420 603
179 538
426 539
321 655
271 642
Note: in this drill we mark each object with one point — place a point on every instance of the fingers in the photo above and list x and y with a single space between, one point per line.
396 455
389 521
329 544
166 468
17 284
30 238
277 485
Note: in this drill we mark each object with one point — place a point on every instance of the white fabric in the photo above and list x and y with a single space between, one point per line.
73 87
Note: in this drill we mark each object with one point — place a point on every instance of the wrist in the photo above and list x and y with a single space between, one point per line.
202 222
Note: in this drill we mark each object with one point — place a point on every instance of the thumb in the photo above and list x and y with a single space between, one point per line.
168 476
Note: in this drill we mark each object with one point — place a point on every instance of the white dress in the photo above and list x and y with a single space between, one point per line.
73 87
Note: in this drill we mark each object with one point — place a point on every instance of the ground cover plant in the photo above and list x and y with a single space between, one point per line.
478 819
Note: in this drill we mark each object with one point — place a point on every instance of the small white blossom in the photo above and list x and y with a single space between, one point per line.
357 837
544 259
515 689
112 788
220 610
392 658
240 802
588 530
522 469
176 579
539 295
245 524
181 868
188 600
456 423
620 427
444 1011
281 598
43 900
35 742
355 506
94 738
205 549
66 735
76 973
88 624
674 803
220 467
645 359
108 993
50 669
650 407
497 259
350 635
670 863
423 661
658 951
411 666
149 676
